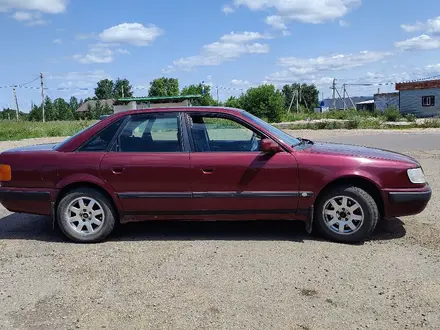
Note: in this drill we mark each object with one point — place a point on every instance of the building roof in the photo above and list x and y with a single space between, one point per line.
427 84
366 102
85 105
160 98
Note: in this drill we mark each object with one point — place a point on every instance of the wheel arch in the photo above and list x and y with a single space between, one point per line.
358 181
87 184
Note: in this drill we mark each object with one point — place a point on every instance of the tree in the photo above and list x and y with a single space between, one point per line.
264 101
122 88
233 102
104 90
50 112
308 95
164 87
36 114
8 114
206 99
63 109
74 104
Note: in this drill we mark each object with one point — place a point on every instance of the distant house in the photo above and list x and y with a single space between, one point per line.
386 100
92 103
365 105
133 103
420 98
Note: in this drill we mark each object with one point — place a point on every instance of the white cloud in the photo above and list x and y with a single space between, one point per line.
227 9
89 76
239 82
85 36
231 46
242 37
307 11
99 54
431 26
57 41
277 22
29 18
423 42
343 23
45 6
131 33
301 68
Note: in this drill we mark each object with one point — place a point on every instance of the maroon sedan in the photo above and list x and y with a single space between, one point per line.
207 164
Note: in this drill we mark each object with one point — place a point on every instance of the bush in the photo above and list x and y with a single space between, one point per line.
391 114
410 117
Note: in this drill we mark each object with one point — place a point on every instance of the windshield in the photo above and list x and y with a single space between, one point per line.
59 145
281 135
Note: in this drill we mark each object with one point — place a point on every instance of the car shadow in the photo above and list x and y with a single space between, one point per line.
32 227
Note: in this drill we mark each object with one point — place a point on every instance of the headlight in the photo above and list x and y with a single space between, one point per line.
416 175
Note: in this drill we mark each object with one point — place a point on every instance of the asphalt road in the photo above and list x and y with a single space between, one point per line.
395 141
269 275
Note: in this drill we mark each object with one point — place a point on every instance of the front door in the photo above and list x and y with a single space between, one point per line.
232 178
148 166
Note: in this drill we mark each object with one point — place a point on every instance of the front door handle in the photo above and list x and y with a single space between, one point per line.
207 170
117 170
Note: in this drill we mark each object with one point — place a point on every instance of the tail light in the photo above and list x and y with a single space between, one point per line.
5 173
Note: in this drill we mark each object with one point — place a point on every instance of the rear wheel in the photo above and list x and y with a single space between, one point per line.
346 214
86 216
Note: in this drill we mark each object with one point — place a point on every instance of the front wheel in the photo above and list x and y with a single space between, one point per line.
86 216
346 214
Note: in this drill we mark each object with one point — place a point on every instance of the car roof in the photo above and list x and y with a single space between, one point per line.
181 109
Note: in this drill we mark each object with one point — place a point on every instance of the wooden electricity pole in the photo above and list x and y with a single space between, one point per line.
42 95
16 101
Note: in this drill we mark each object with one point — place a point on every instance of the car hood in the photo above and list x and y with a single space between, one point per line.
38 147
360 151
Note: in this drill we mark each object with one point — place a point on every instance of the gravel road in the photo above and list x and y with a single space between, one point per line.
228 275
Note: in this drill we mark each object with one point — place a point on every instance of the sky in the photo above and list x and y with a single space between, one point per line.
231 45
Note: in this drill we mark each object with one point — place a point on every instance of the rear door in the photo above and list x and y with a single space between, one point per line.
148 166
232 178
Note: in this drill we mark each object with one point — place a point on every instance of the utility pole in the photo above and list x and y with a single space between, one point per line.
334 94
217 95
345 91
42 95
123 91
297 101
16 102
291 101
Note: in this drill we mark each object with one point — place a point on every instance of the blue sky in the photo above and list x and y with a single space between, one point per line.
233 44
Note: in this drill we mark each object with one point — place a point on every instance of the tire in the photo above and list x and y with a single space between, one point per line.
94 227
329 211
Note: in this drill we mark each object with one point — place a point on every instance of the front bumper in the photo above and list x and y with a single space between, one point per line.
404 202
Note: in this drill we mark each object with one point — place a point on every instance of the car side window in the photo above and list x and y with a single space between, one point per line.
100 141
218 134
151 133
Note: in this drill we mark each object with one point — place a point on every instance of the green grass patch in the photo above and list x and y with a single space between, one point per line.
13 130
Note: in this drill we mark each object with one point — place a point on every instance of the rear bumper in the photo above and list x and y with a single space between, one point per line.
406 202
34 201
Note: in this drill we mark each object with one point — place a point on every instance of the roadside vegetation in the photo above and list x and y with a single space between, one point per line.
292 105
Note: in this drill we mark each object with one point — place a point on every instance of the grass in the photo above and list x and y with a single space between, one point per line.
13 130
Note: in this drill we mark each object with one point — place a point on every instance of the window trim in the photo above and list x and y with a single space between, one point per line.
237 119
78 149
429 97
180 127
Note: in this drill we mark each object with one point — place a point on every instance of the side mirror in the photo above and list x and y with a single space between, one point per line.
269 146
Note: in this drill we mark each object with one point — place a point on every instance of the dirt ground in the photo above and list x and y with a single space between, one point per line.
270 275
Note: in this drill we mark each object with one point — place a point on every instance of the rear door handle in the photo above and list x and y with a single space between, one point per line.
117 170
207 170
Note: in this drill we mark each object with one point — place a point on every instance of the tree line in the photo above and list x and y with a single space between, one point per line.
265 101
